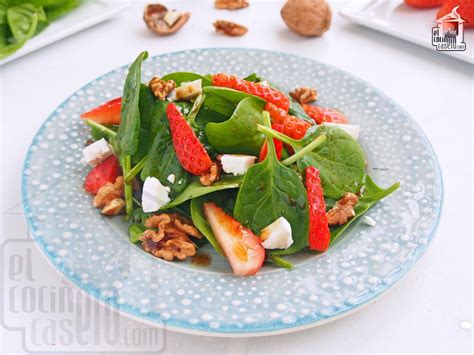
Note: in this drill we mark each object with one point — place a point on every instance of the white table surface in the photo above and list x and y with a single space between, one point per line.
421 313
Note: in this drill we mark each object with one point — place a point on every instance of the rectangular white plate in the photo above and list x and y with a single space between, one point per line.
399 20
88 14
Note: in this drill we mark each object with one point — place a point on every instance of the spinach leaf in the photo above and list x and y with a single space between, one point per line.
239 134
163 162
340 160
183 77
152 119
3 23
225 199
224 100
135 231
129 129
60 9
23 23
371 195
21 18
253 77
269 191
297 110
196 189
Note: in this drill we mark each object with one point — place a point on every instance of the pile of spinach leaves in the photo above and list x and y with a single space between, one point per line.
21 20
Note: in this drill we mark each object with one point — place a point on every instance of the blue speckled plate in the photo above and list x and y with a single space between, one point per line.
94 253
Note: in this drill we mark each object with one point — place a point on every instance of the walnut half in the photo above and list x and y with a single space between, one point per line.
231 4
343 210
161 88
304 95
229 28
109 197
212 176
168 237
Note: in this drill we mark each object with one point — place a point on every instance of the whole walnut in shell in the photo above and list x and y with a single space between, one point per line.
307 17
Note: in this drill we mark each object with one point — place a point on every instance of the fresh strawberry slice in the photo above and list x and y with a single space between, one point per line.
243 249
105 172
465 10
424 4
319 234
190 152
276 114
278 144
108 113
295 127
265 92
321 115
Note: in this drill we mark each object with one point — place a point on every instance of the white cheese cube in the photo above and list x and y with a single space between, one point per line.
188 91
171 17
154 195
97 152
369 221
237 164
277 235
348 128
172 96
171 178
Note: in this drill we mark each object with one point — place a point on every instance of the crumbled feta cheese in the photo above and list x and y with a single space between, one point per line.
188 91
369 221
154 195
171 178
277 235
348 128
171 17
97 152
237 164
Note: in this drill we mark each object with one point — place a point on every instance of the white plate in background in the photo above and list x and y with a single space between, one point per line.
399 20
88 14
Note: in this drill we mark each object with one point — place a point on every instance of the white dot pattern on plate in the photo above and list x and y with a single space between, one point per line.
95 254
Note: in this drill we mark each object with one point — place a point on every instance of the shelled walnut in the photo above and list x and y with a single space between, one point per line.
229 28
343 210
231 4
168 237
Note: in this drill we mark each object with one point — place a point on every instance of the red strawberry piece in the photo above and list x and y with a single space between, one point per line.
295 127
424 4
105 172
276 114
321 115
243 249
108 113
265 92
465 10
278 144
319 234
190 152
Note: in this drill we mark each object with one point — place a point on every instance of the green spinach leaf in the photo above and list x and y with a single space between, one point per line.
129 129
269 191
239 134
183 77
135 231
297 110
196 189
224 100
163 162
60 9
340 160
371 195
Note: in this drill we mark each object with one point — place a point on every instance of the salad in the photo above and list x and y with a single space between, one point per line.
20 20
191 159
